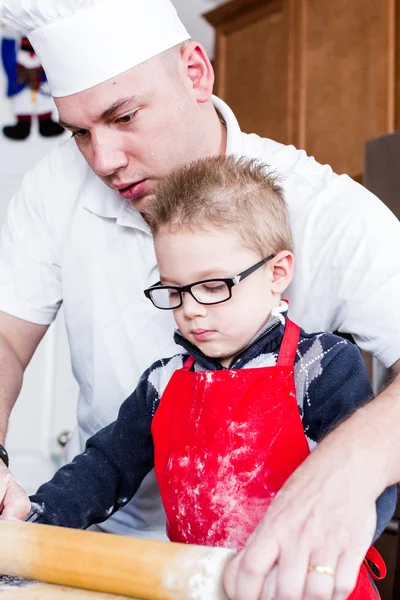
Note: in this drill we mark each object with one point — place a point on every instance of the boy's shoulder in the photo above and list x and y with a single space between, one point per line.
322 344
157 376
323 359
331 381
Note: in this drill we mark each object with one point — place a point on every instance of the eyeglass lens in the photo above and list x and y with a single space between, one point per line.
211 292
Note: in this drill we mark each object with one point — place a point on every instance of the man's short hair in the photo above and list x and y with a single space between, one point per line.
240 195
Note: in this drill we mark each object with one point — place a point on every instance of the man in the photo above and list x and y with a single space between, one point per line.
136 95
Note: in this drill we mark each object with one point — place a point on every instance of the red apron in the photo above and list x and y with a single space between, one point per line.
224 444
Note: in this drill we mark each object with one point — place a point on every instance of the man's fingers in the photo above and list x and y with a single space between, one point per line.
316 518
321 574
15 503
292 572
229 576
347 571
245 576
269 591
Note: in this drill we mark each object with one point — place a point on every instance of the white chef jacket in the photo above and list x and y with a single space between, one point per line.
69 238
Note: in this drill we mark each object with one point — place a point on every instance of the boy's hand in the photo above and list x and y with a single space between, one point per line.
14 502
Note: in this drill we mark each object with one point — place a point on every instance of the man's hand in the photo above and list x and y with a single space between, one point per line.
322 516
14 502
325 514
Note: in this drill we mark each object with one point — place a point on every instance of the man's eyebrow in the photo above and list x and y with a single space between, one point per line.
108 113
66 125
117 106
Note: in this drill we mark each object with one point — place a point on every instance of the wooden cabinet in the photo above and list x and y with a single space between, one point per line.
320 74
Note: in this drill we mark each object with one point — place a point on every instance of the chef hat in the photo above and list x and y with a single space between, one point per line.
81 43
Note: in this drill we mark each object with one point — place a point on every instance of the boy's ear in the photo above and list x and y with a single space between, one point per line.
281 271
198 70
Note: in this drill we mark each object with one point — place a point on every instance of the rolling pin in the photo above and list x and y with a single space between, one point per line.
114 564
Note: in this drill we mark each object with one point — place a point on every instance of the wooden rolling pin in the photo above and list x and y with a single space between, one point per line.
115 564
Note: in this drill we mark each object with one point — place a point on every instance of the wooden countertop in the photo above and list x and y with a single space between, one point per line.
18 589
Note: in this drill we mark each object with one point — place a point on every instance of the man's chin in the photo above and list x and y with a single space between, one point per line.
141 204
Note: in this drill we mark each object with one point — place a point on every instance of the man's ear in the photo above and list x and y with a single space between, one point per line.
198 70
281 267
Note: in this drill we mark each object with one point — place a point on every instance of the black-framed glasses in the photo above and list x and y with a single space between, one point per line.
207 291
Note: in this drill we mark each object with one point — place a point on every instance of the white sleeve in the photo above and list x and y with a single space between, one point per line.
30 278
357 268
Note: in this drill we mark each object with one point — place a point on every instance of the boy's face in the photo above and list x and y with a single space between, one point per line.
221 330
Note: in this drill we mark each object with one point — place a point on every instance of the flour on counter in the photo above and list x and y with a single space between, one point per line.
7 582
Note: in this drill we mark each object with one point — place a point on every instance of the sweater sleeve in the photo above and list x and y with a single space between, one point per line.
107 474
340 389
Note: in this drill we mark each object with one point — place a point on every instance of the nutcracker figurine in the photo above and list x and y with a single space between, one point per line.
27 87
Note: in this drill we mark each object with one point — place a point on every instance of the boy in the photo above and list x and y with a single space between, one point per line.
225 422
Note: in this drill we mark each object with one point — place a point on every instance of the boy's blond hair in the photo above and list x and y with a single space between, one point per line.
236 194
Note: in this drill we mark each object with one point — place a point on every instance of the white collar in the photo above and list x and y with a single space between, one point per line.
234 134
107 203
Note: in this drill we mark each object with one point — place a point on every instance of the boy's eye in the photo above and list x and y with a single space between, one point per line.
214 287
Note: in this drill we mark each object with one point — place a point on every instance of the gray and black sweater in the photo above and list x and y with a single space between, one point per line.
331 382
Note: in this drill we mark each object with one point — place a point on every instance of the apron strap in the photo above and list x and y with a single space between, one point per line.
188 364
376 559
290 341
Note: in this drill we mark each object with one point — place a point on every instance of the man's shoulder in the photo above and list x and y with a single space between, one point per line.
324 206
63 160
302 176
57 178
287 160
61 184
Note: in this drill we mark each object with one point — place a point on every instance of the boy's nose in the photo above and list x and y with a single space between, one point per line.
192 308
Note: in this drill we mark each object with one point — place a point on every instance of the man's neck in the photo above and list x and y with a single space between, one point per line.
224 136
220 134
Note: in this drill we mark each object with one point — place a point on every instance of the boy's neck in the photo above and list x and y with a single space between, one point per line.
274 316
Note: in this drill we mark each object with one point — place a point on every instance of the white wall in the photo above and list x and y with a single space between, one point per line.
190 12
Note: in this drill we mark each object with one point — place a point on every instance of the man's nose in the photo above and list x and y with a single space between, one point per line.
107 155
192 308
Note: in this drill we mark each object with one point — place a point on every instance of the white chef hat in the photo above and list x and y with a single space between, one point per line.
81 43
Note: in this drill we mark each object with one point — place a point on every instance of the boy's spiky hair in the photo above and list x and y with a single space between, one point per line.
235 194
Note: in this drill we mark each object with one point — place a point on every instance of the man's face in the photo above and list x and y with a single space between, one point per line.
134 129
